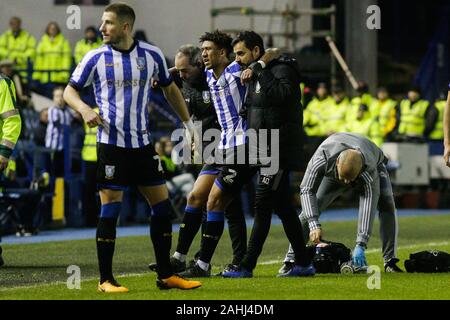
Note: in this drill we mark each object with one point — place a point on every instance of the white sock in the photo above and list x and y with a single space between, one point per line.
203 265
179 256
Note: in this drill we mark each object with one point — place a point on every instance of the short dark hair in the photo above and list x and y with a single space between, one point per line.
123 12
192 52
363 87
251 39
220 39
91 28
15 18
322 85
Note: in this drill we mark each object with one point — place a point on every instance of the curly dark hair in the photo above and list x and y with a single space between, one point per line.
220 39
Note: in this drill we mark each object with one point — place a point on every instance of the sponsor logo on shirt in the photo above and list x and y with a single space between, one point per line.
126 83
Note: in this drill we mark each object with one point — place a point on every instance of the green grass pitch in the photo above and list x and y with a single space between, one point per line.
39 271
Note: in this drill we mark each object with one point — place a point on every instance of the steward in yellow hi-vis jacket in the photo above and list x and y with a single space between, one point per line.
90 41
10 122
18 46
366 125
10 125
384 108
413 114
53 53
314 113
363 97
335 116
438 130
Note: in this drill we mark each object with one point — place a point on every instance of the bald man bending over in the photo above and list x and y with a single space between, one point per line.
343 161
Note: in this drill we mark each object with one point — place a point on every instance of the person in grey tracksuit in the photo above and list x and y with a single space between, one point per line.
322 184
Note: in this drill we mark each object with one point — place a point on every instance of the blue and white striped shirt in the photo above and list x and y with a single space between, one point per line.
58 118
122 83
228 95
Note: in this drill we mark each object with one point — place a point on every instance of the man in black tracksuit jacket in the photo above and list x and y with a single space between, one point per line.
198 100
273 102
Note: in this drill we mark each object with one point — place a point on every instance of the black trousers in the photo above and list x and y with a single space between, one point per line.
273 195
57 164
237 228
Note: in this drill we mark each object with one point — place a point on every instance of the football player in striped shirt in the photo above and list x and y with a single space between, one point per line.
189 66
59 117
228 94
121 72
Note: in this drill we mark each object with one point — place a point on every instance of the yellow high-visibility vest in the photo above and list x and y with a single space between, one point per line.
89 151
302 90
334 117
18 49
313 116
83 46
438 131
367 126
385 111
366 99
53 54
412 117
10 121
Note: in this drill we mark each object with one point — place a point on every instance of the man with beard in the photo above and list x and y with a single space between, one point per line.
273 103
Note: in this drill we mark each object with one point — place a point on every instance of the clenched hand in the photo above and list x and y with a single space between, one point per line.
91 118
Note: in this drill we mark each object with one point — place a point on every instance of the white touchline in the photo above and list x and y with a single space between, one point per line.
64 282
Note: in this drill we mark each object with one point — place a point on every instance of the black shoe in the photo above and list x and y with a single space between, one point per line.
228 268
287 266
191 263
177 265
196 272
391 266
